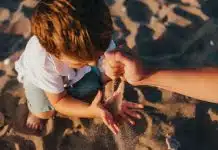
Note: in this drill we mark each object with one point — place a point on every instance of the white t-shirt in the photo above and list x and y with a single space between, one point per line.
45 71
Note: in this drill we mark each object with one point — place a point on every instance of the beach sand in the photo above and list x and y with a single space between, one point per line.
154 28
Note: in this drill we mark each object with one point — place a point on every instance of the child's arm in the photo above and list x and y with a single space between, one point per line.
70 106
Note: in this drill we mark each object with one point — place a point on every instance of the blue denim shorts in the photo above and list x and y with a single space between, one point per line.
85 89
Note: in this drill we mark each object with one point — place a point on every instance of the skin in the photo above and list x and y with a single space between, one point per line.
66 104
197 83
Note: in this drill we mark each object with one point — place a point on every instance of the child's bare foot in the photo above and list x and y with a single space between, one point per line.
34 123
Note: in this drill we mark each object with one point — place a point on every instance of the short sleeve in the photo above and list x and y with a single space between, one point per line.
46 77
49 81
36 66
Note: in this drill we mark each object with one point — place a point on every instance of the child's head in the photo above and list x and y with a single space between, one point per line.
75 31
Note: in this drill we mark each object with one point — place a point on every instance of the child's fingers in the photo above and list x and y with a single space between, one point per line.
116 94
111 123
116 128
98 98
133 105
128 119
133 114
112 129
108 123
112 98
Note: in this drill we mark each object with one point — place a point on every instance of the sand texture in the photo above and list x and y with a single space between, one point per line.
160 30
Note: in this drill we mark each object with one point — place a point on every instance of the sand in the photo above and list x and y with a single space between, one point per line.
153 28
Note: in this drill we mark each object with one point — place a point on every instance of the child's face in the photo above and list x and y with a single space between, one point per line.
78 64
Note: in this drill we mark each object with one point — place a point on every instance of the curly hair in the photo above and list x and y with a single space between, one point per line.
76 28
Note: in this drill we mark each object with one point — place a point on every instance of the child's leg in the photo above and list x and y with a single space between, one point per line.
38 104
87 87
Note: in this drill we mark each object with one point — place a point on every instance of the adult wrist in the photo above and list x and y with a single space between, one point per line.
145 78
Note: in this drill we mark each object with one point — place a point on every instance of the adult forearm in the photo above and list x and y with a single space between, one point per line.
75 108
201 84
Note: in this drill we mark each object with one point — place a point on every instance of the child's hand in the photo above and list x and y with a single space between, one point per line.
109 121
122 108
127 112
103 113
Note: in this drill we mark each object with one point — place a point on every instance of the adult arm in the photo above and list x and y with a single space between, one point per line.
197 83
200 83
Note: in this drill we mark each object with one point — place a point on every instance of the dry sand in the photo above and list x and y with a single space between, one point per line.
142 25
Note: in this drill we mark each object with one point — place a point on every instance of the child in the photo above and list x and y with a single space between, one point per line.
68 36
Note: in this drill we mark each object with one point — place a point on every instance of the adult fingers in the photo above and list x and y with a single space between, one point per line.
113 64
114 74
118 56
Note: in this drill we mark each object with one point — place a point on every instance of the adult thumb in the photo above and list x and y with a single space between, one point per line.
118 56
110 55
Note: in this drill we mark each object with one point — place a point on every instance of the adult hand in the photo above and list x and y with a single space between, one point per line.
119 64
